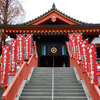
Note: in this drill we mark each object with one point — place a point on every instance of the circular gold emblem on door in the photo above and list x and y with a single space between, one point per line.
53 50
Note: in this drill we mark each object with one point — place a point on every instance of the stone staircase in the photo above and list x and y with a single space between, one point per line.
53 84
66 86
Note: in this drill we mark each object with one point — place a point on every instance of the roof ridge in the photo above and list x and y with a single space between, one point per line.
54 8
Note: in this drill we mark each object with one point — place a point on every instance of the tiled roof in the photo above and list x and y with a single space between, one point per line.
54 8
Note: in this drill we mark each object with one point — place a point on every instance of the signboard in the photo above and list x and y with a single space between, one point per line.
92 64
20 48
5 65
13 58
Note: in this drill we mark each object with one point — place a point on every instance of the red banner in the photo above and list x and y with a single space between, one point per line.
72 45
5 65
84 56
68 48
92 63
30 43
78 38
13 57
27 48
20 48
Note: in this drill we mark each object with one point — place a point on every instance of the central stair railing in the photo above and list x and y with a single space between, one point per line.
53 83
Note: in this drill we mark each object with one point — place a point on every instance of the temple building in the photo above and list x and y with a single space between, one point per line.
50 31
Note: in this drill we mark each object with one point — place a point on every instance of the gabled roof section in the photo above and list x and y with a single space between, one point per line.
54 12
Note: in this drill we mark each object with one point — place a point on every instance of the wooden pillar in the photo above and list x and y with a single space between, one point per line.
2 37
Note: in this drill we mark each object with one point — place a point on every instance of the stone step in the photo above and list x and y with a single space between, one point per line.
39 84
55 84
70 98
37 90
55 90
34 98
42 75
69 94
50 94
46 80
49 98
68 90
36 94
41 78
56 87
38 87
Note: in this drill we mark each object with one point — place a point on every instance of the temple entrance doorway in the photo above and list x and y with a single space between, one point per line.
54 61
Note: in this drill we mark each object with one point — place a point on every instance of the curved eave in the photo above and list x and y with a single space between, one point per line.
52 26
38 29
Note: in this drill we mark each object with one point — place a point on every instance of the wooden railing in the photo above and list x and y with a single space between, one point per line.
12 90
94 91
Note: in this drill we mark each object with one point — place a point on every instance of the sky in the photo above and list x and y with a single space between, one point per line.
83 10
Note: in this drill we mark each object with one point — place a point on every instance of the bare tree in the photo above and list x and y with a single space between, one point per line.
11 12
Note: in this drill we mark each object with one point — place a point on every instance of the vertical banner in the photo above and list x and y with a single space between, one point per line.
30 43
78 38
27 48
13 58
84 56
68 48
20 48
71 36
92 63
5 65
72 45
